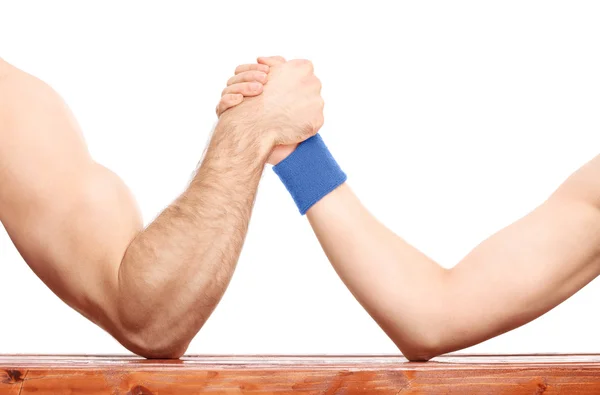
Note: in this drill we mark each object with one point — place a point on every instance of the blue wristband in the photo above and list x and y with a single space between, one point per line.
309 173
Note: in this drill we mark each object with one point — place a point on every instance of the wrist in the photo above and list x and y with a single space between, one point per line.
310 173
242 137
281 152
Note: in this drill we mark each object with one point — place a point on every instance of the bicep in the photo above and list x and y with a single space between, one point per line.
70 218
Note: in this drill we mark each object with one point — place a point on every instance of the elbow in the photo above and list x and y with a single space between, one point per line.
154 346
151 331
152 351
420 354
430 330
155 342
422 346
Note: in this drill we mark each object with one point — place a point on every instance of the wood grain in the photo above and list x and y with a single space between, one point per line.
452 374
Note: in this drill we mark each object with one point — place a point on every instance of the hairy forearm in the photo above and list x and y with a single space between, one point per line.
78 227
175 272
513 277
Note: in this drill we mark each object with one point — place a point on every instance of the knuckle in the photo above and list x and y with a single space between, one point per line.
299 62
311 81
318 123
256 76
307 65
251 88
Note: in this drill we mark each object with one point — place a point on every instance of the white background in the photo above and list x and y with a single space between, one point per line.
452 119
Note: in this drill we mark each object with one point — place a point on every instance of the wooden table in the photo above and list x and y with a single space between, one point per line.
452 374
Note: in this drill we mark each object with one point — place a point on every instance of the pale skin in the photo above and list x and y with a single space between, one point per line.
79 229
513 277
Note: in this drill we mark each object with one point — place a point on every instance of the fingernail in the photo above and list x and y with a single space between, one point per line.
255 86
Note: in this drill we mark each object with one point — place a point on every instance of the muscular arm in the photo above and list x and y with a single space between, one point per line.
511 278
78 227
